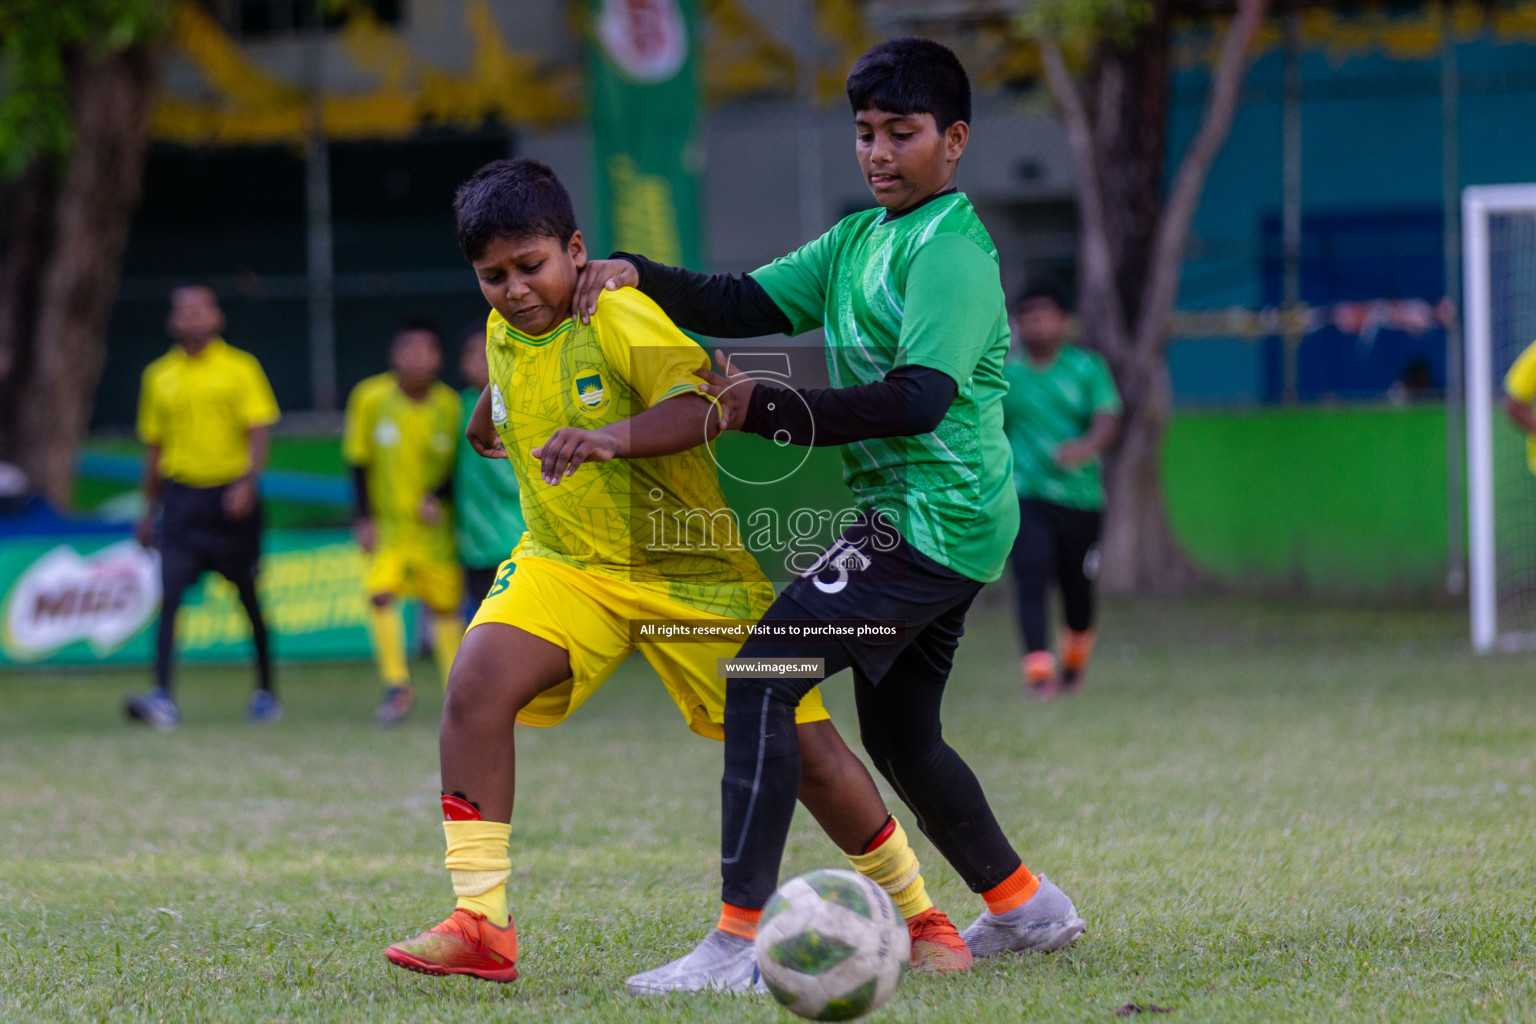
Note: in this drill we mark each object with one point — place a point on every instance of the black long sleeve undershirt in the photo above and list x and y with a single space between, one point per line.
910 400
719 305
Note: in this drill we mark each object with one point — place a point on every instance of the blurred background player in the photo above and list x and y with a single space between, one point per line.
487 513
400 435
1060 414
205 415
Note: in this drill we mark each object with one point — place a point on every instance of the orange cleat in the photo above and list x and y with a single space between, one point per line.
937 947
466 943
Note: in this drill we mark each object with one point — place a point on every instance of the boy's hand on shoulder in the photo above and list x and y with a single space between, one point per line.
568 447
597 277
731 391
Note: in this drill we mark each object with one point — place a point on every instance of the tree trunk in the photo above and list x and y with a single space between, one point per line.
1130 254
65 234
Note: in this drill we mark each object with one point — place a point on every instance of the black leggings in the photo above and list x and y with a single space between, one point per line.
900 727
1054 543
194 537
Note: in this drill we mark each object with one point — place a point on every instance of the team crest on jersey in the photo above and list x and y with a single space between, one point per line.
498 407
386 434
590 392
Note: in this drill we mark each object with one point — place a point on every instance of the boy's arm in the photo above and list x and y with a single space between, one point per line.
1520 414
720 305
666 428
481 430
910 400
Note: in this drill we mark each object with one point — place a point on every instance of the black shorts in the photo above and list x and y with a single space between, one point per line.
874 576
195 531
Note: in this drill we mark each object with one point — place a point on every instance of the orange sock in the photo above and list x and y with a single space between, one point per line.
1039 667
739 921
1076 648
1012 892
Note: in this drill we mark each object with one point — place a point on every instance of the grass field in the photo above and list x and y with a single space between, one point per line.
1264 812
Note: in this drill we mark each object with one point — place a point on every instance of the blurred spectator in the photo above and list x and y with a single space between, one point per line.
1060 414
205 415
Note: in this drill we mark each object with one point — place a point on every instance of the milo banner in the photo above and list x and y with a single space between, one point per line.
644 98
95 599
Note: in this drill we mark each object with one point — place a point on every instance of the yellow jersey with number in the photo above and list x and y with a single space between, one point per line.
198 409
407 447
662 523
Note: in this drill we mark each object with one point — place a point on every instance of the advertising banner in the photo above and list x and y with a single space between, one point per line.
96 599
644 97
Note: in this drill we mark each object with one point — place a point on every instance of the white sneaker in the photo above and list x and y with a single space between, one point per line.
721 963
1046 922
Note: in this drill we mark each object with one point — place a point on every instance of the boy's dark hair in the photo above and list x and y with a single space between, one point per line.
412 324
519 198
1044 289
911 75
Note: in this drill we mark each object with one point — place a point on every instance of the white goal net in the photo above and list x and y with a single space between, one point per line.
1499 266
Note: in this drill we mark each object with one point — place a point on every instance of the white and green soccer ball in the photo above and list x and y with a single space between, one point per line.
831 946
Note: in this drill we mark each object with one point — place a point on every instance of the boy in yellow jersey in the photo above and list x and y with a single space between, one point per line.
400 434
604 424
205 412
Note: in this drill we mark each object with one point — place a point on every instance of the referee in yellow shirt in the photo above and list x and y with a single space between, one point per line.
205 415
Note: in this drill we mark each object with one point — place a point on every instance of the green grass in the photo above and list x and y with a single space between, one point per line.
1265 812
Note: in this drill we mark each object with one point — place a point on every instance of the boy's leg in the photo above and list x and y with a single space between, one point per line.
1077 569
836 788
900 724
500 669
1033 561
386 635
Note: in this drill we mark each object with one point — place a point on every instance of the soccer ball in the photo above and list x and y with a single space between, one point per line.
831 946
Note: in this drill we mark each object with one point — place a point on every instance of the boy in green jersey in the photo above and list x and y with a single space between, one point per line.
916 338
488 520
1061 412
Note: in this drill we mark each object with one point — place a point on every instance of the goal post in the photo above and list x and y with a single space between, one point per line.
1499 295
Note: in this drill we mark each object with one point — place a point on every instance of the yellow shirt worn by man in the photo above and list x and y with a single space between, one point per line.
199 408
618 542
1520 384
407 448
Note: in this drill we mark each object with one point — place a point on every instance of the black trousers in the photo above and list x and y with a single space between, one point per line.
898 686
1055 544
196 536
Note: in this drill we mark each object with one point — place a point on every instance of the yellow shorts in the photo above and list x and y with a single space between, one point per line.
589 615
412 573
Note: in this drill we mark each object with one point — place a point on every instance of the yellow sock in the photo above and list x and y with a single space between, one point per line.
386 628
447 631
893 867
480 865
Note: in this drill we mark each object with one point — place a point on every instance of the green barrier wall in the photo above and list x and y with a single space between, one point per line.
1350 498
1347 499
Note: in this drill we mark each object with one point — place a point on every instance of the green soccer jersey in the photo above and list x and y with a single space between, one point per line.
1047 406
921 289
489 518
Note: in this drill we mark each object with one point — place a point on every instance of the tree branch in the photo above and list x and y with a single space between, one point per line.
1179 211
1097 259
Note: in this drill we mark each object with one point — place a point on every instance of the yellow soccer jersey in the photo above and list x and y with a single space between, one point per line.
198 410
407 448
1520 384
659 522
